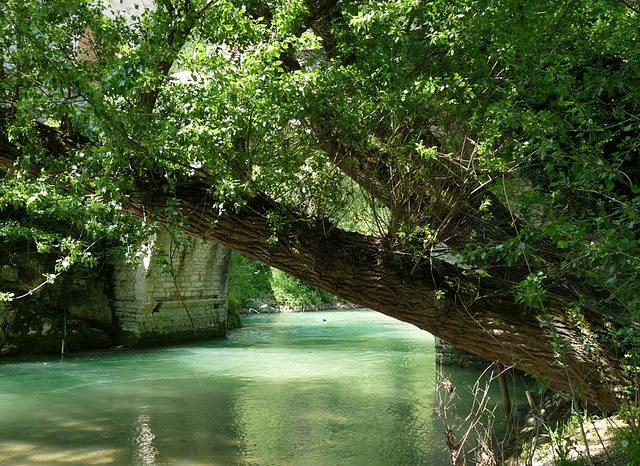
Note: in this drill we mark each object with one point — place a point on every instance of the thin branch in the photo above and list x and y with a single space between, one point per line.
204 8
170 8
33 290
631 7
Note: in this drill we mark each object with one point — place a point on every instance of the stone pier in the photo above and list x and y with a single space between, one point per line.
449 355
178 294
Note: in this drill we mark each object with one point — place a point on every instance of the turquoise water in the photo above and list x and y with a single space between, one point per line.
321 388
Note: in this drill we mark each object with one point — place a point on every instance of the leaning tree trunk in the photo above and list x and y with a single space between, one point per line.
475 313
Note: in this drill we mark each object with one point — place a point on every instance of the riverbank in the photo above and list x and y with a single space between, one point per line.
545 430
269 306
564 445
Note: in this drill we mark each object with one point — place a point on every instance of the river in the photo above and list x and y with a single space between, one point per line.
317 388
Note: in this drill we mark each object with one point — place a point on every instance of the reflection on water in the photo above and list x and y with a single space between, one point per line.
144 439
330 388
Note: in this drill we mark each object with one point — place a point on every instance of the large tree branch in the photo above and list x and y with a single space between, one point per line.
476 313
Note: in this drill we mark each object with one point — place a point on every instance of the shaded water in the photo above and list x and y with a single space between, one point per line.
322 388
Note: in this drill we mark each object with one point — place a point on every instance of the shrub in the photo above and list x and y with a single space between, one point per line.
248 279
293 293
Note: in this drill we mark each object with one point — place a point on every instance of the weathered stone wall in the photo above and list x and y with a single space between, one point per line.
93 309
151 307
449 355
74 309
129 8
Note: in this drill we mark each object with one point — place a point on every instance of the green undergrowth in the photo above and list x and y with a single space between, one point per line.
580 438
552 431
251 281
629 434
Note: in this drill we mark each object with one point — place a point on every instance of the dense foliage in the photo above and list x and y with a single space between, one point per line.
499 135
248 280
252 284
